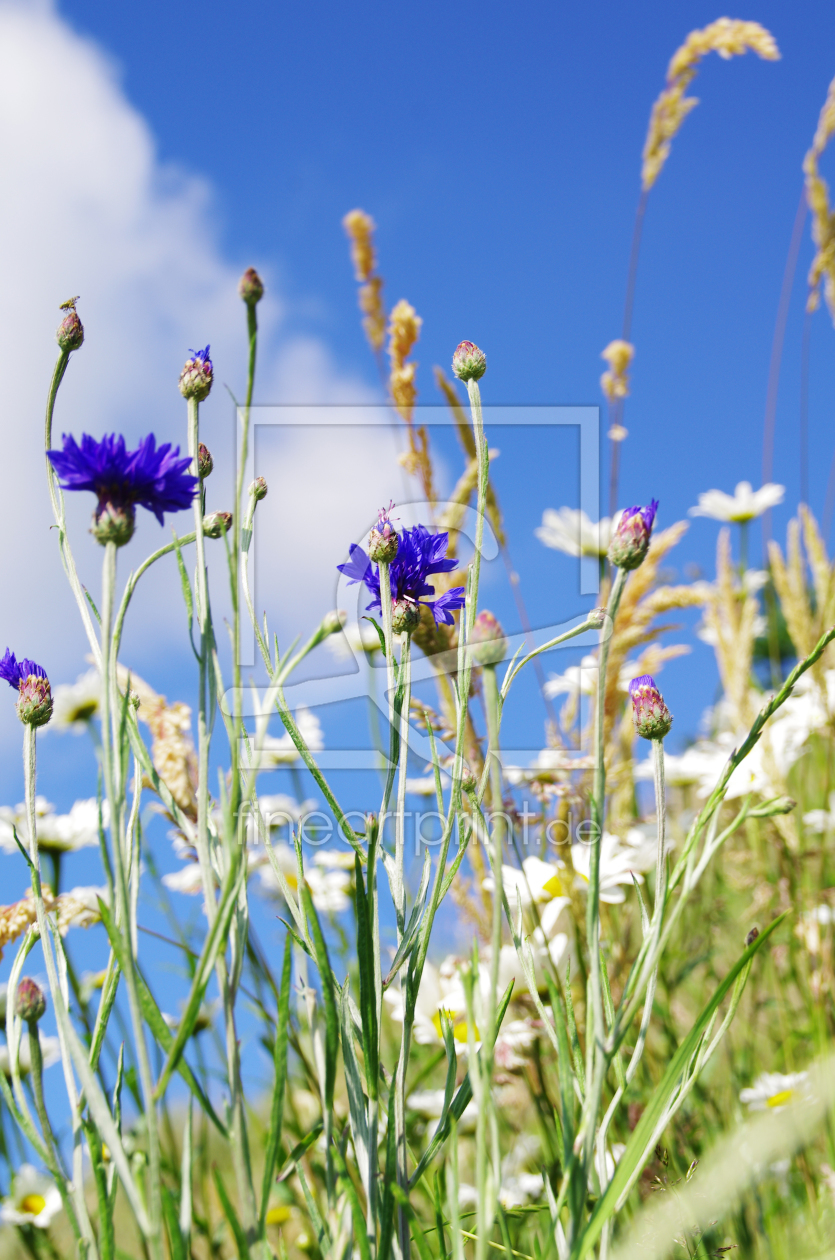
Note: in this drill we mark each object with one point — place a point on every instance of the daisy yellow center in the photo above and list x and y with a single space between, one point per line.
553 886
34 1204
278 1215
459 1030
779 1100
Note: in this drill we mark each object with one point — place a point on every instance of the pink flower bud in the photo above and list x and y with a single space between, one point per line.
652 717
469 363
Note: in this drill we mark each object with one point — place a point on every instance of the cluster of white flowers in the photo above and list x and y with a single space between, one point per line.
74 705
546 884
79 829
329 872
442 993
805 712
569 530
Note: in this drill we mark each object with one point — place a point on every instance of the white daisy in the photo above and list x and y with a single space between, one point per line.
330 882
773 1090
537 882
570 530
279 750
74 705
440 990
425 786
745 504
356 638
580 678
79 829
34 1200
618 863
50 1052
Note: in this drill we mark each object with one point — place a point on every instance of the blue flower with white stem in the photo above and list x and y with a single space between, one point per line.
419 555
151 477
34 706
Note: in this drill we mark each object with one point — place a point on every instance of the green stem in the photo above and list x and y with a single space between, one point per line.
593 905
483 458
57 500
203 738
132 581
657 917
36 1057
78 1217
487 1116
403 770
399 898
111 761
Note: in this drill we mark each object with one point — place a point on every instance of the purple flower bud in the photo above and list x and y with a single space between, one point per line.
34 706
30 1000
205 463
652 717
487 639
251 287
258 489
217 524
197 375
405 616
70 332
114 522
383 542
630 541
469 363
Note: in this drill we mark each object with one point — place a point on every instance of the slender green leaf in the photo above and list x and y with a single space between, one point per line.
459 1104
153 1017
368 1000
380 634
328 995
231 1215
347 1185
172 1226
216 940
389 1179
280 1069
298 1151
655 1107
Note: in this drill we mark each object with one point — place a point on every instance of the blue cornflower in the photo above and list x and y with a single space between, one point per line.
647 514
154 478
419 555
34 706
15 672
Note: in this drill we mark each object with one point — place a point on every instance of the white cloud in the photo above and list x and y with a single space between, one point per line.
89 208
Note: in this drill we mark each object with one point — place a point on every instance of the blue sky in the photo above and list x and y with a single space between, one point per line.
499 153
498 149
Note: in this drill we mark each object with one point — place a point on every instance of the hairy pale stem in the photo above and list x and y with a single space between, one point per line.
593 905
111 761
203 737
655 929
57 500
487 1119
